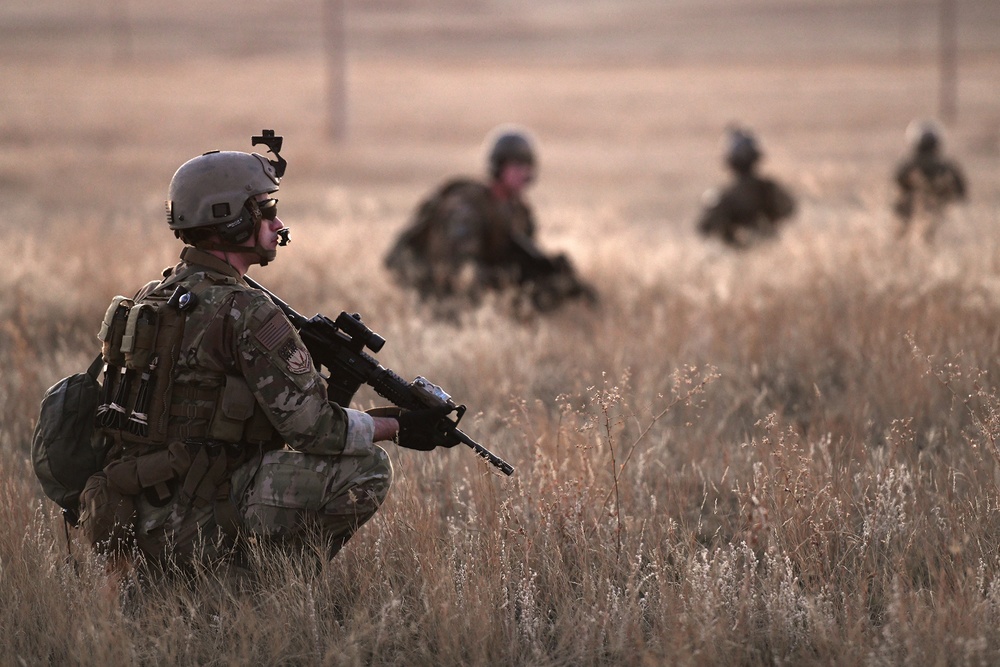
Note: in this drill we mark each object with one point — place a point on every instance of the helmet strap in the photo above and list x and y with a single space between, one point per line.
260 251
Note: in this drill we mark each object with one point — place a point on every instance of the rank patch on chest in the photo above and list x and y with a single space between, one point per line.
296 358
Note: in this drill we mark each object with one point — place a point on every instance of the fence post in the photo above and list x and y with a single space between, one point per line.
336 57
948 46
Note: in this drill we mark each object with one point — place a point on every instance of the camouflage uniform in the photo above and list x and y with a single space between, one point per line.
464 240
327 479
927 183
749 209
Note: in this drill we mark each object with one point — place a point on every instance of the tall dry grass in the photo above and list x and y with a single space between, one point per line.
785 456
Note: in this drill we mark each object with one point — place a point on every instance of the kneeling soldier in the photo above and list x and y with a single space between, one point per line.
218 420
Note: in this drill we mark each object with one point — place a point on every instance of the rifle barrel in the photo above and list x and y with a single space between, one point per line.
490 457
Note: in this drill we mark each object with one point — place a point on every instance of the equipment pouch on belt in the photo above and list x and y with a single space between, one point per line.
107 516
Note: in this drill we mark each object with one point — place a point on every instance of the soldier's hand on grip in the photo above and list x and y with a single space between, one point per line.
425 429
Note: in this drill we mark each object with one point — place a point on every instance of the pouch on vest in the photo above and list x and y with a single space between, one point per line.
140 336
236 406
111 410
146 346
112 329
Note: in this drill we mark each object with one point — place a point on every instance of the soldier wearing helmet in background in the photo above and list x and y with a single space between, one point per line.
752 207
926 182
470 236
218 420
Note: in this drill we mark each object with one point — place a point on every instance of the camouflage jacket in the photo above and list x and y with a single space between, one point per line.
237 330
234 330
927 182
750 205
462 223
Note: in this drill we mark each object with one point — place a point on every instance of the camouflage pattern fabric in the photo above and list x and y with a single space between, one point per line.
237 331
291 495
748 210
927 184
463 241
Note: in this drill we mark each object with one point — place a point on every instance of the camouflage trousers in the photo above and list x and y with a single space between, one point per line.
284 497
294 497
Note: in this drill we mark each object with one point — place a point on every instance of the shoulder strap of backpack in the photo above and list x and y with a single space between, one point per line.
94 370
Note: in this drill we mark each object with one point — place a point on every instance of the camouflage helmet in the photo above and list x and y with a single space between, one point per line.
509 144
211 189
741 150
924 136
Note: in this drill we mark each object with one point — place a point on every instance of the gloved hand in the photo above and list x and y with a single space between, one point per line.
418 429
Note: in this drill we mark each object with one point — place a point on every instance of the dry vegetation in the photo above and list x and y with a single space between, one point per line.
786 456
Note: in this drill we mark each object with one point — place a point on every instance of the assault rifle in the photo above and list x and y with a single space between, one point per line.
339 346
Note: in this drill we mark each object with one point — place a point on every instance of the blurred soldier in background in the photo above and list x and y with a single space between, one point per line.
926 182
468 237
218 422
751 207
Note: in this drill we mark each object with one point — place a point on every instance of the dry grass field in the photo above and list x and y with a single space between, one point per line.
785 456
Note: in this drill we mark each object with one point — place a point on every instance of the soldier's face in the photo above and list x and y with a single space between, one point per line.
267 235
516 176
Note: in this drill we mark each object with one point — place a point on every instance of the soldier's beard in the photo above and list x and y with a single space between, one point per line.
266 256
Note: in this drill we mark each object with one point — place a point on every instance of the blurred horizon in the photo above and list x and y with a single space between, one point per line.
558 31
628 99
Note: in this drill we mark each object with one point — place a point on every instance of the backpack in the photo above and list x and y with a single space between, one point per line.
66 449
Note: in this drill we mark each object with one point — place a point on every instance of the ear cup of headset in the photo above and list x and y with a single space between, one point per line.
238 230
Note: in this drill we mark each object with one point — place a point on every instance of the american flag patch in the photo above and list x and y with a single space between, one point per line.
273 331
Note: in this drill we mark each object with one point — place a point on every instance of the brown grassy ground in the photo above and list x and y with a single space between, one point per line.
786 456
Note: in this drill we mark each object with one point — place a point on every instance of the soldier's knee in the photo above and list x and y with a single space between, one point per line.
374 477
378 480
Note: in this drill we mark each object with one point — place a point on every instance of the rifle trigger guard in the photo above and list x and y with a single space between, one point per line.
459 411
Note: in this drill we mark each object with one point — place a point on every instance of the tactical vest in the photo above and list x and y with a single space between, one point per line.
168 437
143 404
